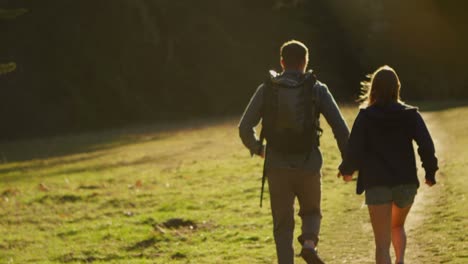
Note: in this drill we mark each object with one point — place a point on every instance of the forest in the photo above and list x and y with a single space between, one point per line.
72 66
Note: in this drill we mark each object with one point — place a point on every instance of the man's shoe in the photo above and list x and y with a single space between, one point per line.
310 256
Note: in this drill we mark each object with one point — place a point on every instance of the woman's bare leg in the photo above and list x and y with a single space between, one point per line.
381 216
398 231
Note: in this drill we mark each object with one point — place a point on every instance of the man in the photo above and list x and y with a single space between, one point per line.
293 161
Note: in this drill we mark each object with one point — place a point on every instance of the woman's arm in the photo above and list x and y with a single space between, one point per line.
355 149
426 149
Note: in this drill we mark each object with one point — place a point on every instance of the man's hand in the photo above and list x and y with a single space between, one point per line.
346 178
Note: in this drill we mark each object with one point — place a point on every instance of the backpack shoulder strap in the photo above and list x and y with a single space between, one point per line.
267 94
310 83
314 97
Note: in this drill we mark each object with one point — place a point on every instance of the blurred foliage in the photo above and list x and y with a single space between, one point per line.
12 13
7 67
87 65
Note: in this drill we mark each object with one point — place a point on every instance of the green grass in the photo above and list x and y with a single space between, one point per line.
442 234
109 197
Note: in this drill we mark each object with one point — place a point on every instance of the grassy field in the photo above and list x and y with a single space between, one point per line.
189 193
444 227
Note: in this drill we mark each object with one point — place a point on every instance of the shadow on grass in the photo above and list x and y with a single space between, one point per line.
47 148
87 257
146 243
59 146
34 167
51 163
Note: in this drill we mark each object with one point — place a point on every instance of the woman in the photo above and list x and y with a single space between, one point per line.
380 147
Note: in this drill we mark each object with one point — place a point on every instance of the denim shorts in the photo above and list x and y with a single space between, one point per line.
401 195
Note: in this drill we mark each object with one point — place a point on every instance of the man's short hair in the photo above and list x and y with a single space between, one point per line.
294 53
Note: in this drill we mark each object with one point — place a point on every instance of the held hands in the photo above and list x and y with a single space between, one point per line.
262 154
430 183
346 178
261 151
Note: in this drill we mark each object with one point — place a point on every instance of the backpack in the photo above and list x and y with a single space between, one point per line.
290 116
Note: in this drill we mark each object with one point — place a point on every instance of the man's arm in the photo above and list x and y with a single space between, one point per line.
249 120
332 114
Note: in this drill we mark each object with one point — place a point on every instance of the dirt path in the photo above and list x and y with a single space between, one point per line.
426 196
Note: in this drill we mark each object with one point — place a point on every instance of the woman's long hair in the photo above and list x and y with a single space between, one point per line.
383 88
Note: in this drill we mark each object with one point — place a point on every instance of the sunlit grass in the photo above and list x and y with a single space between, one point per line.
443 232
110 197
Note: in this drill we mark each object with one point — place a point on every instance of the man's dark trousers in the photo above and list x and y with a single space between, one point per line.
285 184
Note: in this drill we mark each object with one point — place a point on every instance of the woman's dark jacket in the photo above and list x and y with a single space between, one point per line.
380 147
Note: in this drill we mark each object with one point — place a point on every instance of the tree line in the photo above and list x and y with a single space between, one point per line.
81 65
